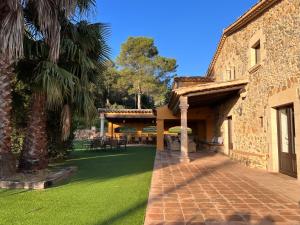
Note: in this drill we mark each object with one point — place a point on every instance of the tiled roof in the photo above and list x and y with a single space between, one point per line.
201 89
209 86
142 111
193 79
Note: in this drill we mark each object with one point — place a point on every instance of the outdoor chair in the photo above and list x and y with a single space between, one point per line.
132 140
144 140
215 144
150 140
118 144
122 142
98 143
192 145
136 140
172 143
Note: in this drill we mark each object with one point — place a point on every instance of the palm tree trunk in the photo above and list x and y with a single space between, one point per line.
34 155
7 160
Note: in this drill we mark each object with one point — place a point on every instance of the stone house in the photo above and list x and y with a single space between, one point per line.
250 96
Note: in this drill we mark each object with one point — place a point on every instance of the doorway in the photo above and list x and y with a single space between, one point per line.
230 141
286 140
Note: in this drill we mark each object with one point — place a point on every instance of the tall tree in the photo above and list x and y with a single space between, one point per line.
143 71
109 81
12 22
68 85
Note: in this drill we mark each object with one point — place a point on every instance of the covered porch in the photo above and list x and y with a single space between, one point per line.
135 125
195 107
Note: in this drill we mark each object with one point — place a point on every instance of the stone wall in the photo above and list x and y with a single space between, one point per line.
279 28
86 134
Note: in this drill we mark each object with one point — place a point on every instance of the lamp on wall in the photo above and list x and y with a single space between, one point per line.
243 93
124 121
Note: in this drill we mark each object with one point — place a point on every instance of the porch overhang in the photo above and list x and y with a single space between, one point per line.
206 94
128 114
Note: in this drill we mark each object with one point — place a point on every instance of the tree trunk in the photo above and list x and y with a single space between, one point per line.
7 160
107 102
34 155
139 100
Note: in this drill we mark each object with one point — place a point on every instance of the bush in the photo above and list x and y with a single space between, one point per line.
56 147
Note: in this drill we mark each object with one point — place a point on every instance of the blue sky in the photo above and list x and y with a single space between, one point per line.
188 30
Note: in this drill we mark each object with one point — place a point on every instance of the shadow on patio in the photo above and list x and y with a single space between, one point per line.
178 196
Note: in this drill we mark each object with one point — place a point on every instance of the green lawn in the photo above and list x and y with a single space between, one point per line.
109 188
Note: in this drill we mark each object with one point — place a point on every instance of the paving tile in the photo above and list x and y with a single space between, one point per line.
213 190
174 217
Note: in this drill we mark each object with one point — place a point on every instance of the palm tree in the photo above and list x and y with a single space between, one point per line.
68 85
46 15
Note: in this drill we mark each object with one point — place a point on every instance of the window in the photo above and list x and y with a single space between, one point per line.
230 74
256 54
256 51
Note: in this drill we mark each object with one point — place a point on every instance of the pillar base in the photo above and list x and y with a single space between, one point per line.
184 158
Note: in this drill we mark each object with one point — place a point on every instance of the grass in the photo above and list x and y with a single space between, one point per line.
109 188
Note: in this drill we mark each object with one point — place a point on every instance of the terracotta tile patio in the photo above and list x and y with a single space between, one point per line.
213 190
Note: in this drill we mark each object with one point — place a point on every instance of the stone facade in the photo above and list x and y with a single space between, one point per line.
278 30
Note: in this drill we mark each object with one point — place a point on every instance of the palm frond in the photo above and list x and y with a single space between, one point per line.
56 82
11 28
84 101
48 12
85 5
73 53
35 49
90 38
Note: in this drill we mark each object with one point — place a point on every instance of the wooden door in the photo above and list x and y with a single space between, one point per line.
286 140
230 142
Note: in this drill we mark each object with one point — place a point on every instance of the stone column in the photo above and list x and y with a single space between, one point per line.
102 117
184 141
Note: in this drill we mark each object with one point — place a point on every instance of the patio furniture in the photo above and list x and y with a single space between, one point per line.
150 140
136 140
172 143
177 130
192 144
98 143
215 144
144 140
118 144
122 142
149 130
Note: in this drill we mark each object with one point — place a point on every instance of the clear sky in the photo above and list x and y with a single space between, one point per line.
187 30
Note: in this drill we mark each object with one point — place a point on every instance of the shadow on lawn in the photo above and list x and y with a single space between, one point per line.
96 165
241 218
102 165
